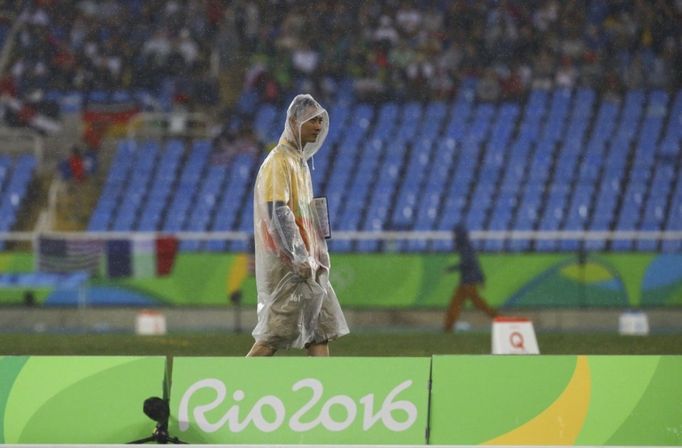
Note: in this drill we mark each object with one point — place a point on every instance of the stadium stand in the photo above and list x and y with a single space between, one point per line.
16 173
172 53
411 166
506 116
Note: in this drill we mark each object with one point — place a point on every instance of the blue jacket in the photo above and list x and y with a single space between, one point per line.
469 267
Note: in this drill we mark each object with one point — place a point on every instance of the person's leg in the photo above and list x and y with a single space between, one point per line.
481 304
318 349
455 307
260 349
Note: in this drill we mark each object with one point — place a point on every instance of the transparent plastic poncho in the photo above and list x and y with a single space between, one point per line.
297 305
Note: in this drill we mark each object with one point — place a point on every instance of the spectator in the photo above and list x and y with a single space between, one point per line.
634 76
386 32
591 70
488 88
305 60
566 74
188 50
94 134
77 165
423 51
471 278
543 69
514 83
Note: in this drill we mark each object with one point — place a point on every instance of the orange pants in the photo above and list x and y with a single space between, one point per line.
465 291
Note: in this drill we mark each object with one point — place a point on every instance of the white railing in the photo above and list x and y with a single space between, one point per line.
632 235
47 217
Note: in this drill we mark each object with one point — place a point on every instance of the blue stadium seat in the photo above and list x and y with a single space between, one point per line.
114 186
266 116
459 116
17 173
562 160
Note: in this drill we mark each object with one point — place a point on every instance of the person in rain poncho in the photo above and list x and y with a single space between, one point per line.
297 306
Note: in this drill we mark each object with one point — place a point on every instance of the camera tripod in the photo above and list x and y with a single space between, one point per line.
158 410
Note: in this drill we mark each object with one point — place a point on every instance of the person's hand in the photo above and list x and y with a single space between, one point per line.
303 270
306 268
324 258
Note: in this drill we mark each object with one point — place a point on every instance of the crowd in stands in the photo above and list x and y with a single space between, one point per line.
398 49
375 50
408 49
387 49
79 166
109 45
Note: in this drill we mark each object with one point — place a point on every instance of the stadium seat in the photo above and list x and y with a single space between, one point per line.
16 173
562 159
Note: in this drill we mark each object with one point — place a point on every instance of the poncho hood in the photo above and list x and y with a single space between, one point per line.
303 108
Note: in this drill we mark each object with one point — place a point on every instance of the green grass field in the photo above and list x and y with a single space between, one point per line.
380 344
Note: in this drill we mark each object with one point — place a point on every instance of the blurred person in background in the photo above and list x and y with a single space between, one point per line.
471 277
77 165
297 306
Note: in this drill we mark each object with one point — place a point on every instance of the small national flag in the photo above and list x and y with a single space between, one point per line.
166 249
119 258
69 255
